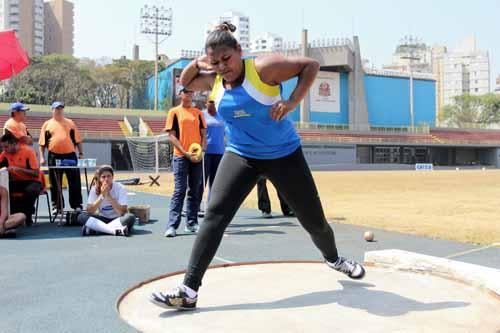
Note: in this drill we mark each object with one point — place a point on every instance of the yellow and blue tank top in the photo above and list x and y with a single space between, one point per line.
250 131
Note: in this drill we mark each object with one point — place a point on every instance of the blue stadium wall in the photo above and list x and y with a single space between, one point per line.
387 98
165 80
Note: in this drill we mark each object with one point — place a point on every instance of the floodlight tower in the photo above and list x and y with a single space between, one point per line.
410 45
156 21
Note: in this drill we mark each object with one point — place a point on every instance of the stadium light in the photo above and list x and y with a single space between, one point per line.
411 44
156 21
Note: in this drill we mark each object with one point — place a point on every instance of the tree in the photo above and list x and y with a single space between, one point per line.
51 78
472 111
80 82
490 108
134 79
105 87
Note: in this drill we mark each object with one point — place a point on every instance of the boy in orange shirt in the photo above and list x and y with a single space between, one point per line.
15 124
24 176
185 126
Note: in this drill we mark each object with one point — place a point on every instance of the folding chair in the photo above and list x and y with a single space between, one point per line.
44 191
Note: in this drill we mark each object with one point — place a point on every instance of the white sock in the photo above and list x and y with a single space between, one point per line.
98 225
334 263
190 292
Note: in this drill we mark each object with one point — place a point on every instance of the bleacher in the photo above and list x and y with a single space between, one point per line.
436 136
371 137
156 125
462 136
108 126
89 127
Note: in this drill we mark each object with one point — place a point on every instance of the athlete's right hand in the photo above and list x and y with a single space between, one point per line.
203 64
42 161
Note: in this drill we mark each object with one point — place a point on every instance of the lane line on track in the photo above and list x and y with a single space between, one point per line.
250 229
224 260
459 254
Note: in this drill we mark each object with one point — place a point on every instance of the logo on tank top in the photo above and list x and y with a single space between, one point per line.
240 114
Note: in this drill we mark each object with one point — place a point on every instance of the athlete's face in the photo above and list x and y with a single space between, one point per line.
226 61
106 177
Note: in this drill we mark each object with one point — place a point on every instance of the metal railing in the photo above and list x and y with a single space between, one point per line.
97 134
421 129
479 126
403 74
319 126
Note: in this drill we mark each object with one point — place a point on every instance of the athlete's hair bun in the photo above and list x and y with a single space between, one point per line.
222 35
226 26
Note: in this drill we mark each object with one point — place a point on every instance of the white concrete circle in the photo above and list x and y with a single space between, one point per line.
310 297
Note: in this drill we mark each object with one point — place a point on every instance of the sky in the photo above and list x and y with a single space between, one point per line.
110 28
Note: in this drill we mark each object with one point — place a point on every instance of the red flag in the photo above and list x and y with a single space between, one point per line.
13 58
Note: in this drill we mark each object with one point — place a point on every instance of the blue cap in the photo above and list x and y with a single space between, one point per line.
56 105
18 107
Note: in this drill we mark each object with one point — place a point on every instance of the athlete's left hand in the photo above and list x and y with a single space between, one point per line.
280 109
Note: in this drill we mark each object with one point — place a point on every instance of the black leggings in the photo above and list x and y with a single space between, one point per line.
235 178
74 182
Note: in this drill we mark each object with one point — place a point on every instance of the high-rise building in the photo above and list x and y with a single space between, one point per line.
242 23
267 42
466 70
437 54
462 70
411 52
59 27
26 17
135 52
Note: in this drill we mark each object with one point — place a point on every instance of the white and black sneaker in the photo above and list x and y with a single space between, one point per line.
56 211
122 232
267 215
350 268
177 298
170 232
191 228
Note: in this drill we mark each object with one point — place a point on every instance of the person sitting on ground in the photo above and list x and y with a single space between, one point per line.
8 223
15 124
24 175
106 207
